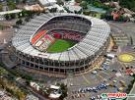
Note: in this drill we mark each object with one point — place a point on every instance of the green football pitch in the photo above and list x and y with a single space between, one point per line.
60 45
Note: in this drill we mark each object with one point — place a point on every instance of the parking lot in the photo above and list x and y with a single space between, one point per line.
108 78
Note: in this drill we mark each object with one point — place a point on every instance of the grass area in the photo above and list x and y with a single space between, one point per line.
98 15
60 45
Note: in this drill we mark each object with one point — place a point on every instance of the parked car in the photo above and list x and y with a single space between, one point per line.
114 70
93 98
94 72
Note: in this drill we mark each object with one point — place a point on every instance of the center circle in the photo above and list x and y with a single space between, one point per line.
127 58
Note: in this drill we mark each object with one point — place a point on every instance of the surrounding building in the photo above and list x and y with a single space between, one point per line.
36 7
47 2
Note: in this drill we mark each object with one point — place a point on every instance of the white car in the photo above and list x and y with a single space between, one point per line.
94 72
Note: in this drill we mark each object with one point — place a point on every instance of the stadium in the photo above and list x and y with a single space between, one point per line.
61 43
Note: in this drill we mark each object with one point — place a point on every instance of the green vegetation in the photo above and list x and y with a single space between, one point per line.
84 5
99 4
6 82
130 4
67 0
85 12
95 3
19 22
3 72
53 10
60 45
1 7
12 88
64 90
60 2
98 15
94 8
11 5
13 73
1 27
78 1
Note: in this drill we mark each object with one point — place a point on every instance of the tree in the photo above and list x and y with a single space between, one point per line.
53 10
27 19
27 82
64 90
97 3
1 7
84 5
19 22
23 1
24 13
2 72
67 0
89 1
19 15
130 4
86 12
12 16
30 14
7 16
11 4
78 1
60 2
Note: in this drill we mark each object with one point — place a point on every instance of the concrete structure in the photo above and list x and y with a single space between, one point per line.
77 58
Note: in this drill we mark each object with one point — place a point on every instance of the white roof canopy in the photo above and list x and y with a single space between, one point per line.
10 12
54 87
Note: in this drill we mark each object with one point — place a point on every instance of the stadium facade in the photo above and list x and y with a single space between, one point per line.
32 40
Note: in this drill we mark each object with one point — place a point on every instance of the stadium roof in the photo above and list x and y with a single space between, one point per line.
88 46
